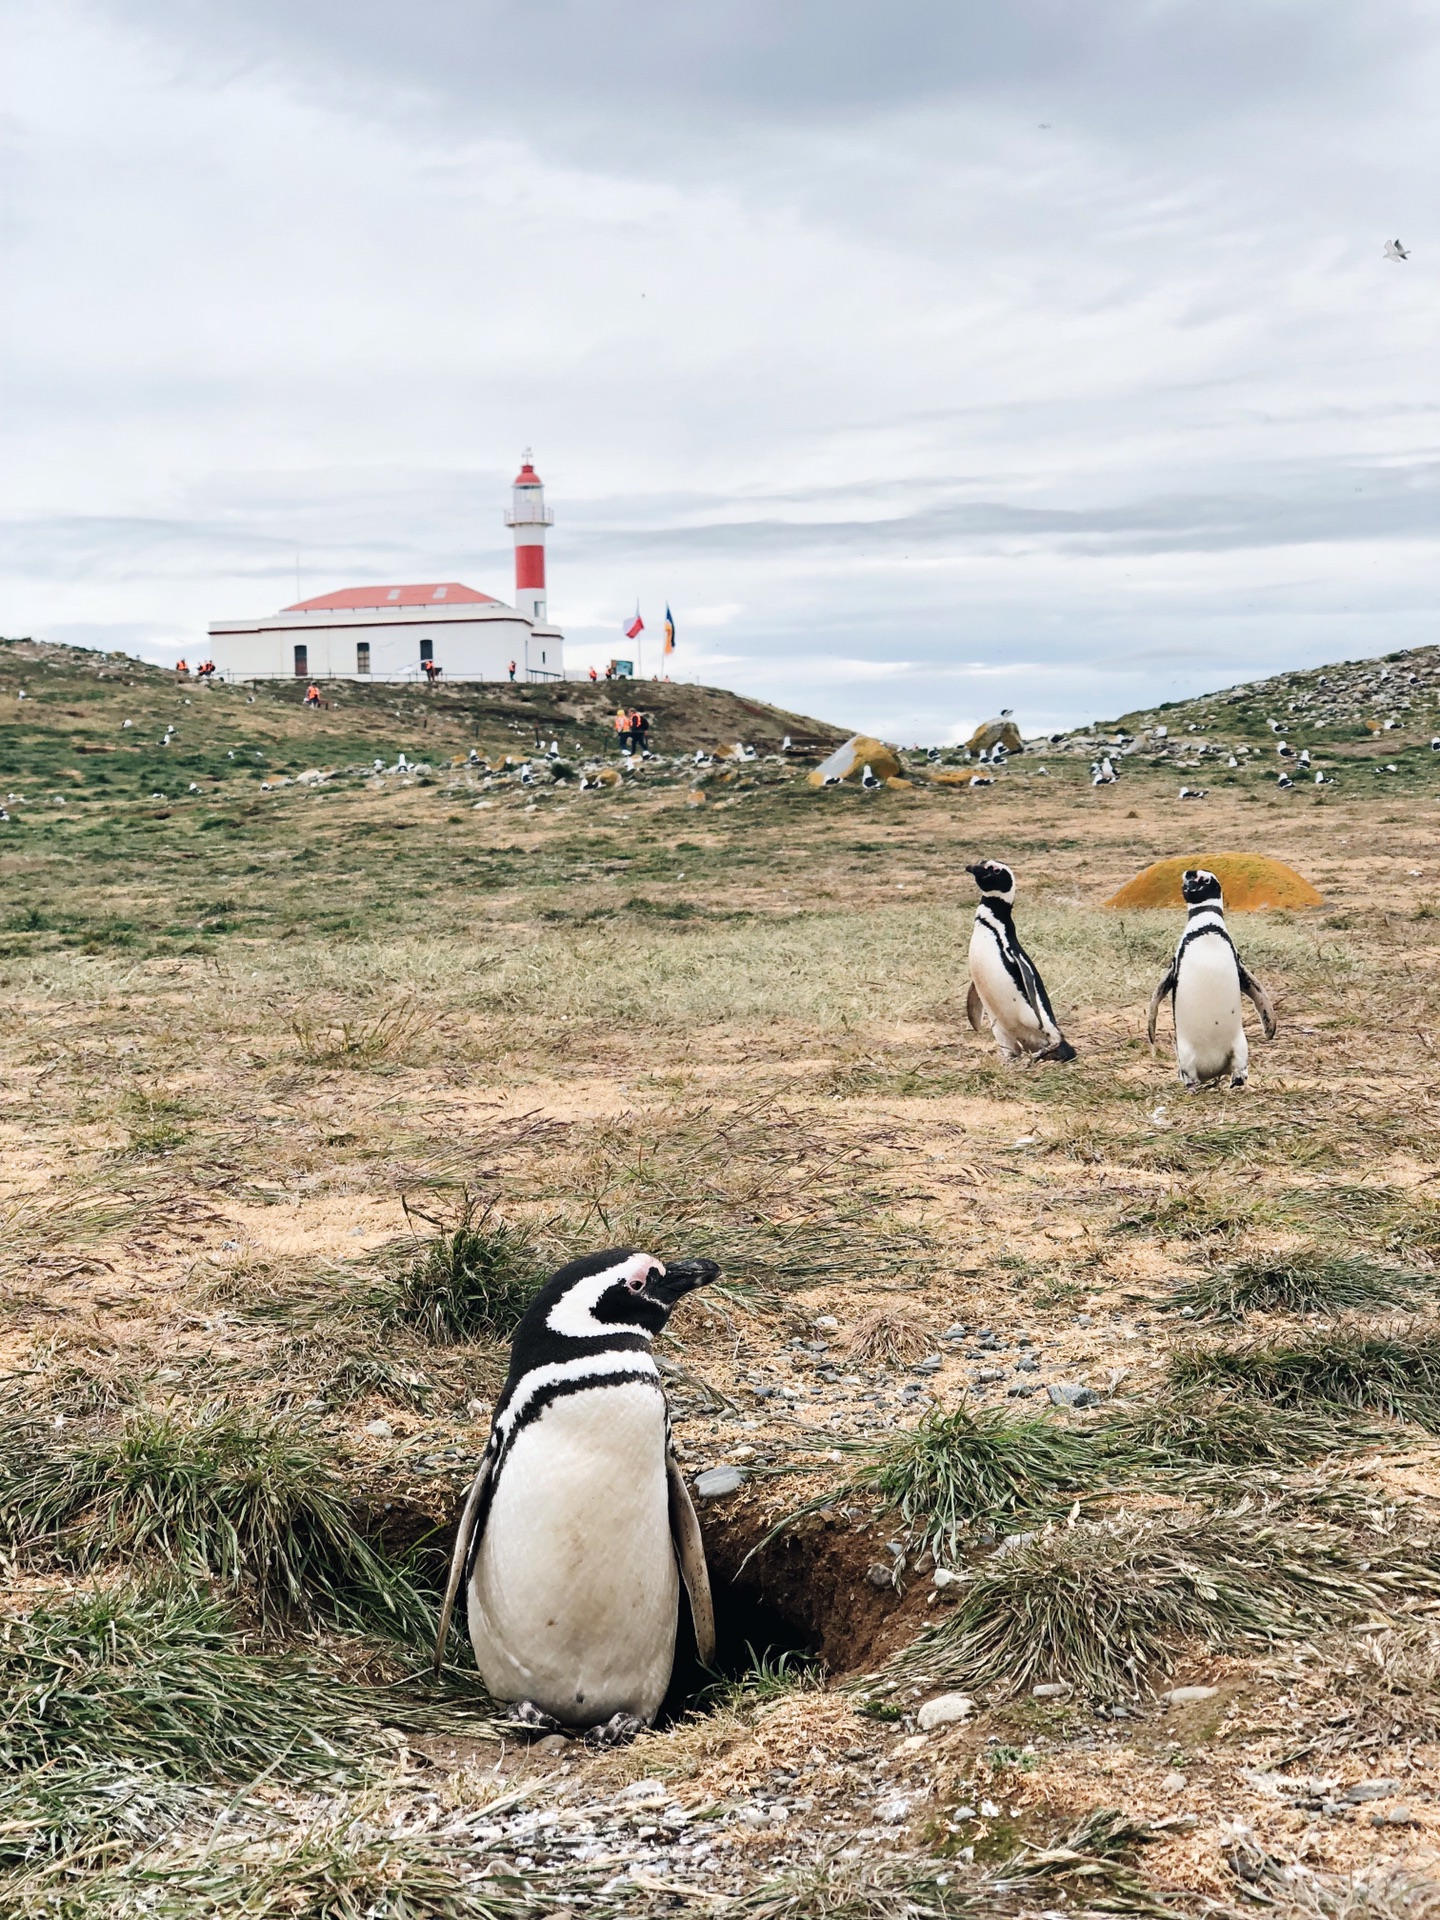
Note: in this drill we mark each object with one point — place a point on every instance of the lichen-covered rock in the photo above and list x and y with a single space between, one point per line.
850 761
996 733
1249 880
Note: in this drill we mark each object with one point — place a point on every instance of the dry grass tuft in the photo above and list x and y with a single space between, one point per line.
1306 1281
888 1338
1390 1371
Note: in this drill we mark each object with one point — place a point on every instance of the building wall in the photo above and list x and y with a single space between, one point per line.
466 645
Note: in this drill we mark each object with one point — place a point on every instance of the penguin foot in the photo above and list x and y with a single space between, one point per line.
525 1713
1238 1079
618 1731
1062 1050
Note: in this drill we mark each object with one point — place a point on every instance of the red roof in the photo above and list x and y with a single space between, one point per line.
527 477
445 593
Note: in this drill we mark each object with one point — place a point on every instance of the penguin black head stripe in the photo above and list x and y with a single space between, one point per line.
994 879
1197 886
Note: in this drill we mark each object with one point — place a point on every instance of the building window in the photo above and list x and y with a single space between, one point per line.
427 651
542 656
362 656
302 661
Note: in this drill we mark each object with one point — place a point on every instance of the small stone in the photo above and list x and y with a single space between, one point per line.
826 1323
1187 1696
879 1576
944 1711
716 1481
1371 1790
985 1376
742 1453
1174 1783
1050 1690
989 1810
894 1809
644 1790
945 1577
1027 1366
552 1743
1067 1394
380 1429
913 1743
1393 1817
932 1363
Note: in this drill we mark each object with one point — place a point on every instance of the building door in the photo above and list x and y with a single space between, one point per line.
362 656
302 662
427 651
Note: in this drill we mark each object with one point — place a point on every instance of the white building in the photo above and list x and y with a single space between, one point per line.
394 633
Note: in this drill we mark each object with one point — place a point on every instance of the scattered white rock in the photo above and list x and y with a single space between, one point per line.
1187 1696
1051 1690
944 1711
989 1810
944 1577
716 1481
380 1429
895 1808
1174 1783
1371 1790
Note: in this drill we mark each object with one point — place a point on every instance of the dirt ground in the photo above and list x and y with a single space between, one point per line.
256 1044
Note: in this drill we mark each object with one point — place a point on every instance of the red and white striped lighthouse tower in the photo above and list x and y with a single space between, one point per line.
530 516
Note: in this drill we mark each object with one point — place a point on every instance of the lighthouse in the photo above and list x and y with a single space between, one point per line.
529 516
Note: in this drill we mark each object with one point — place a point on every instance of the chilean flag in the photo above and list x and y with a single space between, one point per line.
635 626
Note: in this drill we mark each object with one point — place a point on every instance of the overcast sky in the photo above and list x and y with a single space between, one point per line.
927 357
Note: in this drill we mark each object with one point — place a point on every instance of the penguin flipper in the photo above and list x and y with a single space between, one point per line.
974 1008
690 1552
1166 986
460 1556
1250 986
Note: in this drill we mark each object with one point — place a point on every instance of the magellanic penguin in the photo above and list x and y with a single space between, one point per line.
1005 985
1207 978
569 1541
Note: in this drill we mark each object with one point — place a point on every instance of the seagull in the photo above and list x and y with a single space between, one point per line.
981 780
984 755
1274 725
785 744
192 788
527 778
998 756
868 780
1304 756
584 783
1194 793
1233 761
1394 251
1285 750
1320 779
379 766
473 761
554 752
1284 781
127 723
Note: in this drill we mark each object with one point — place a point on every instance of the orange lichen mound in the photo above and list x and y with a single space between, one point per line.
1250 881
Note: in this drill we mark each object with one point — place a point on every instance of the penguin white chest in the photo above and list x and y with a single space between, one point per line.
1209 1031
575 1595
1015 1020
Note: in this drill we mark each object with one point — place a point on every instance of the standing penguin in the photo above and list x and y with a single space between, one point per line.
569 1541
1207 978
1005 985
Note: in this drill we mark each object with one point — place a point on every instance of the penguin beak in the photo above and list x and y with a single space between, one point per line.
679 1278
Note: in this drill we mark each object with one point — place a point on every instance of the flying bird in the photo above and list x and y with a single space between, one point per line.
1394 251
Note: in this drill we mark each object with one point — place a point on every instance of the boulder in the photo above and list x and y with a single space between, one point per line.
850 761
1249 881
944 1711
996 733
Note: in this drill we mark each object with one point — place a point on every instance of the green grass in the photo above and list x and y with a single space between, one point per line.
1106 1605
471 1280
1307 1281
159 1678
1202 1426
253 1504
1390 1371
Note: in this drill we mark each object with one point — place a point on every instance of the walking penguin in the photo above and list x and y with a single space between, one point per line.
1207 978
579 1528
1005 985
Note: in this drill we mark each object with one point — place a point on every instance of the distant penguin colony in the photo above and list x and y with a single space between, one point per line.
579 1529
1005 985
1205 981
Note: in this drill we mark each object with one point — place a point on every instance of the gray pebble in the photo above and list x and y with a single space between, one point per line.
719 1480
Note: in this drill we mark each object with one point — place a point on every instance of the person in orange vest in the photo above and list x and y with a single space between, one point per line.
622 729
182 672
312 695
593 674
512 669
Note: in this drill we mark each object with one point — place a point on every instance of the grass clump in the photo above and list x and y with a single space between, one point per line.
215 1495
1390 1371
471 1280
1307 1281
888 1339
1105 1605
1204 1427
158 1678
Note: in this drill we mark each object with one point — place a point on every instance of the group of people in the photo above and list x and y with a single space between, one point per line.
632 729
205 671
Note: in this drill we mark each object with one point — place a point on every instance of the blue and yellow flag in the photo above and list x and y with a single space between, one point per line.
669 631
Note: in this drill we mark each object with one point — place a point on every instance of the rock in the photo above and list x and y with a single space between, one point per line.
1393 1817
825 1323
951 777
988 1375
607 777
897 783
695 798
880 1576
552 1743
715 1481
944 1711
894 1808
913 1743
849 762
1371 1790
989 1810
943 1577
1051 1690
380 1429
1066 1394
996 733
644 1790
1187 1696
1174 1783
932 1363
